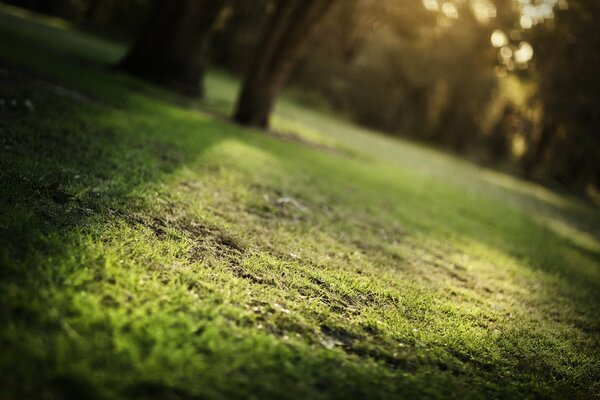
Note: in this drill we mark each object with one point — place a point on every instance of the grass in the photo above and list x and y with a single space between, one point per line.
151 250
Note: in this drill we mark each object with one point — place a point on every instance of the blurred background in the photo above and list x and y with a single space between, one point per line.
512 84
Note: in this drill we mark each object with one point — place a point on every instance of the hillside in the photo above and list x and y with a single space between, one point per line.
151 249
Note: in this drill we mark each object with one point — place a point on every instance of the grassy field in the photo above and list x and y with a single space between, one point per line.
149 249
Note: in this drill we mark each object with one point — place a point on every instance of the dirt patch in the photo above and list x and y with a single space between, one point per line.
336 337
354 344
209 239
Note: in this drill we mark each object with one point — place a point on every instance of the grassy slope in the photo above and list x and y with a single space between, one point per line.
152 251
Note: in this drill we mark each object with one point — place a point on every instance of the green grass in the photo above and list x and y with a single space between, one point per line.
150 250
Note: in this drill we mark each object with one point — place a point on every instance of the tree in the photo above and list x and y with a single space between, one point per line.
287 29
172 49
567 147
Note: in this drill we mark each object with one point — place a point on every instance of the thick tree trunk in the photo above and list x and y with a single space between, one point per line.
277 52
172 49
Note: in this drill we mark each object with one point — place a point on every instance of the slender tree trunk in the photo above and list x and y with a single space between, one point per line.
278 49
173 47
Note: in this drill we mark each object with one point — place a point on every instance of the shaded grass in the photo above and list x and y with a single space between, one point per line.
152 251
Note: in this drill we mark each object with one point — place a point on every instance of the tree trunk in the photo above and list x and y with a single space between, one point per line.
278 49
173 47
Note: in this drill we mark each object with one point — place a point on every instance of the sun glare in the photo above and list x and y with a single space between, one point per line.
499 39
483 10
431 5
449 10
526 22
524 53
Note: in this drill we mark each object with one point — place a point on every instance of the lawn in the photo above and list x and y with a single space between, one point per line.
150 249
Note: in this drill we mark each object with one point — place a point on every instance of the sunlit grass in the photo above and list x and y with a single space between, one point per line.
151 250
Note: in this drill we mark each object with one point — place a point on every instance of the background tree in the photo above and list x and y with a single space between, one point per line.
172 49
567 146
406 70
287 29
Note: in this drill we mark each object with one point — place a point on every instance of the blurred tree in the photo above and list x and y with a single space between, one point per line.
567 67
287 29
364 64
233 43
172 49
405 69
465 65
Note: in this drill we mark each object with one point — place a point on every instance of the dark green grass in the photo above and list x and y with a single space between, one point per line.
149 250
